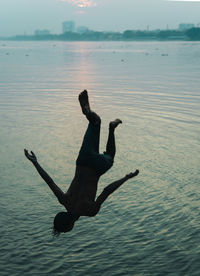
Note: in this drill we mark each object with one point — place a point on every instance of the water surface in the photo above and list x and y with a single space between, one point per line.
150 226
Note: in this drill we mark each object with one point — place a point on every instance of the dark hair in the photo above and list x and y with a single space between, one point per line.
63 222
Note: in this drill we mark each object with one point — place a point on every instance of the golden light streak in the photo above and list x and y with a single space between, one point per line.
81 3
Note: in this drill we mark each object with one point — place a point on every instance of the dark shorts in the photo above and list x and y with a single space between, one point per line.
89 155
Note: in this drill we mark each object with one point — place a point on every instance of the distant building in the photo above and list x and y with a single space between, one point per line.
185 26
68 26
42 32
82 29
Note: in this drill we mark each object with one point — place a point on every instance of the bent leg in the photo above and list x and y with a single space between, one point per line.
111 147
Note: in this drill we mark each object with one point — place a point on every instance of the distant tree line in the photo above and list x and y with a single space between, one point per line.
193 34
128 35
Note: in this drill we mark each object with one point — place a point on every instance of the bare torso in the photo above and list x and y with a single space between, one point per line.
82 192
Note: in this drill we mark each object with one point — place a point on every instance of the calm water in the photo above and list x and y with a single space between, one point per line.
151 225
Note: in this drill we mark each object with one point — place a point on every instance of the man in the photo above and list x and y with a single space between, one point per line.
79 200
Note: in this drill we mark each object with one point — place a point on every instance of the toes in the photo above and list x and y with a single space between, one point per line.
83 93
114 124
118 121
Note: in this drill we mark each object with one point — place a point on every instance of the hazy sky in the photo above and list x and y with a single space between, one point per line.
19 16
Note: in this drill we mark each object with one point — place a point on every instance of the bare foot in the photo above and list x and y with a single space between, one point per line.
115 123
84 102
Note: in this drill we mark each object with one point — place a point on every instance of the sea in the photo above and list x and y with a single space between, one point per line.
151 224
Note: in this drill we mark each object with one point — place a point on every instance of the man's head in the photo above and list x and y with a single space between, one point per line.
63 222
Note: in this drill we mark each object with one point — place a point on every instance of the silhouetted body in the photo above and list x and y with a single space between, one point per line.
79 200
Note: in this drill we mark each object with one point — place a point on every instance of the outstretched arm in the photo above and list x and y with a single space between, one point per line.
113 187
55 189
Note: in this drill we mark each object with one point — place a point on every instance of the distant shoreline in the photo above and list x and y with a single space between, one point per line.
102 40
192 34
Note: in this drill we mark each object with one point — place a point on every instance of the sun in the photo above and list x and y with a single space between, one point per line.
81 3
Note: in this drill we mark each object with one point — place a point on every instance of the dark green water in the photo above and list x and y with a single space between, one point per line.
150 226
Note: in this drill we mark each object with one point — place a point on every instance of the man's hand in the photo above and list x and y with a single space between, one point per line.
55 189
130 175
31 156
